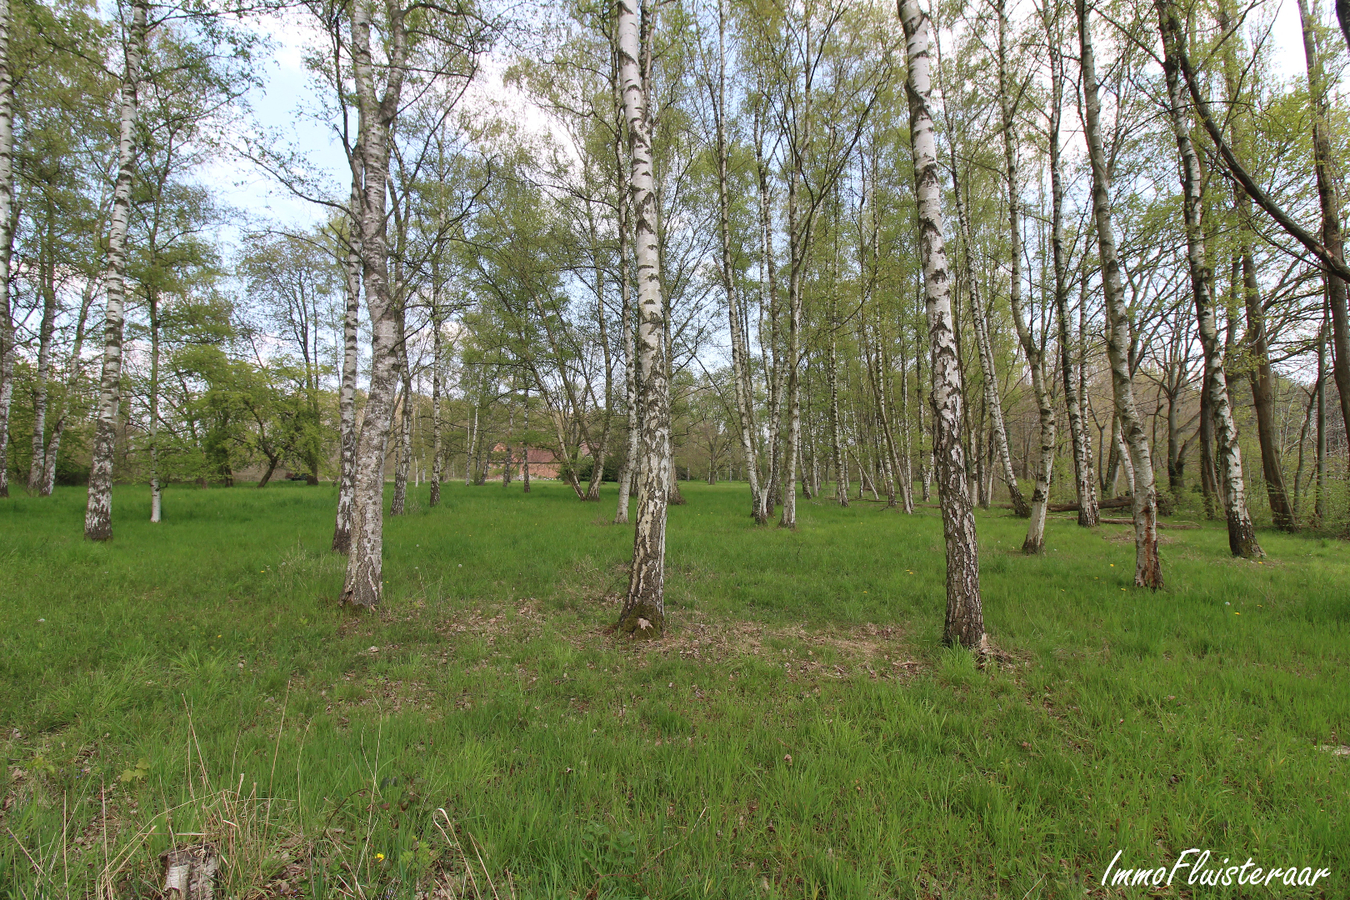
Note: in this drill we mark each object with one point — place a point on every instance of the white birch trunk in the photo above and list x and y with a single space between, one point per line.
1333 236
965 617
739 343
72 380
525 449
796 252
1241 536
1148 565
403 465
628 474
1085 484
769 298
1040 497
342 525
364 584
980 324
98 511
643 612
437 351
156 493
6 242
41 380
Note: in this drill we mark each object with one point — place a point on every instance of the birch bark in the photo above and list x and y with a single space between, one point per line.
739 343
1040 497
1148 565
980 324
836 456
643 613
437 357
364 582
1085 484
628 475
6 241
965 617
73 376
342 525
42 373
98 511
630 386
1333 237
796 261
1260 374
525 447
1241 536
156 493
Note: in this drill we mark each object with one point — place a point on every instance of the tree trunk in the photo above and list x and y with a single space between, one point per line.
770 495
1261 375
1208 477
1302 440
72 381
643 613
965 617
980 323
470 441
836 457
437 351
1329 199
1148 565
191 873
510 450
156 495
739 343
906 442
98 510
364 584
403 465
925 458
525 450
630 386
42 376
1035 539
342 524
796 262
1262 378
1085 484
1319 504
1241 536
7 351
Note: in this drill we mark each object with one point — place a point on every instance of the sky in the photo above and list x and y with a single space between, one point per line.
287 102
287 106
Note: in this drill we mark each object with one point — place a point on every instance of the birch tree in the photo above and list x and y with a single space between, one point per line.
459 37
740 349
1241 536
1008 96
1148 565
1330 262
98 510
348 240
643 613
1085 485
965 616
6 241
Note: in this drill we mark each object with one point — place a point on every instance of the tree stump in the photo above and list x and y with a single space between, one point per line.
190 873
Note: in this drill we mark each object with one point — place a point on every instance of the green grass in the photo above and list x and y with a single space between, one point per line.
799 733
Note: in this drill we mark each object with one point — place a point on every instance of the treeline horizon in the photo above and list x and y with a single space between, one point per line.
1039 254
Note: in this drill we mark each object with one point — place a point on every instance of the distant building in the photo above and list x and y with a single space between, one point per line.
544 463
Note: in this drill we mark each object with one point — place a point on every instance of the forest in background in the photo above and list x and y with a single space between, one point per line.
475 291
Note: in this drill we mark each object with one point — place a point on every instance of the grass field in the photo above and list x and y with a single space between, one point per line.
800 732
